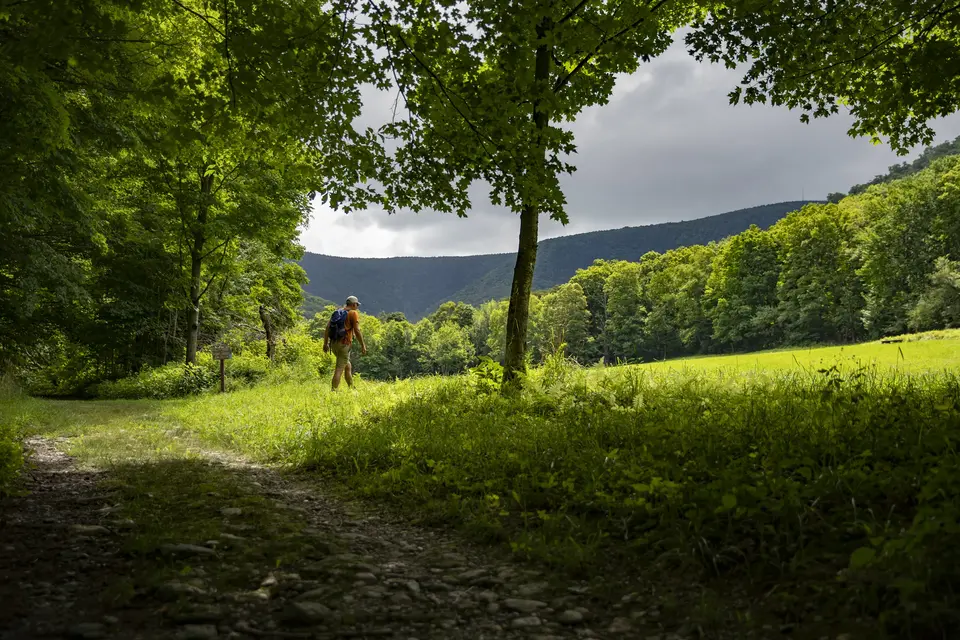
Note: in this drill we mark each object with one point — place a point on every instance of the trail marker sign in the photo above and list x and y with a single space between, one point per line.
221 352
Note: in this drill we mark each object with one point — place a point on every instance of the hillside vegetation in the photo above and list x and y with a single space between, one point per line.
417 286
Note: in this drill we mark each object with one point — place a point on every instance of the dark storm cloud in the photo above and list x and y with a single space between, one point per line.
667 147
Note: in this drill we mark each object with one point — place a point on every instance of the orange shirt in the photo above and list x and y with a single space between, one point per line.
351 323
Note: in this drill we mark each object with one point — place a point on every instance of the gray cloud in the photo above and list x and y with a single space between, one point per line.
667 147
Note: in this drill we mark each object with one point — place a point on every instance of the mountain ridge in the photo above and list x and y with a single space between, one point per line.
416 285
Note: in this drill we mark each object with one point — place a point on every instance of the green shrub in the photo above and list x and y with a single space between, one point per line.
170 381
61 369
11 448
300 351
243 370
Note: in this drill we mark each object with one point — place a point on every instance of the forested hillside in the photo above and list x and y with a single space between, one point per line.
416 286
875 264
904 169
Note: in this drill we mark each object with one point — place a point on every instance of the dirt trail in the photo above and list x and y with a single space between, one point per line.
72 566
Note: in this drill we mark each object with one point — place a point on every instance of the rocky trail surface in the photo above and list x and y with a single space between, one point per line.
90 554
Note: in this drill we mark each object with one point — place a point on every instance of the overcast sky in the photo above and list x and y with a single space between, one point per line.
667 147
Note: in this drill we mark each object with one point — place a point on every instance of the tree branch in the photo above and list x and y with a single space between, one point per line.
219 264
565 80
573 12
199 15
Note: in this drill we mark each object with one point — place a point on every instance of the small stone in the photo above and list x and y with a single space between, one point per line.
307 612
413 586
493 607
369 568
123 523
366 576
473 573
487 596
570 617
562 602
620 625
269 581
202 615
188 549
400 598
314 595
111 620
231 538
523 606
532 589
230 511
448 561
525 622
173 590
88 630
198 632
89 529
486 582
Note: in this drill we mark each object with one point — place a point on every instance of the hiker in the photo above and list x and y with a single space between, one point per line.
343 325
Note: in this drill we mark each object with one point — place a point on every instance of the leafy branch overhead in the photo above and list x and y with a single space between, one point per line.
893 64
468 86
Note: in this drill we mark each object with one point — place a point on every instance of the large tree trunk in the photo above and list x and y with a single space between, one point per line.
268 329
519 310
196 264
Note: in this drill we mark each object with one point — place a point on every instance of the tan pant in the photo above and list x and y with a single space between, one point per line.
342 352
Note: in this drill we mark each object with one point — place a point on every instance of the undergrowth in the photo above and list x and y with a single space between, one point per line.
834 491
841 483
11 422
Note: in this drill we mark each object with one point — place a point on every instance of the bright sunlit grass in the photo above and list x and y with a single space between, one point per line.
927 352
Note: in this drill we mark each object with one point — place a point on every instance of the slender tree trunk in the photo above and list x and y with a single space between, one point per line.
268 329
519 310
196 265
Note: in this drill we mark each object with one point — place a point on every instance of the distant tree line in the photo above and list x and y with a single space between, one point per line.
879 263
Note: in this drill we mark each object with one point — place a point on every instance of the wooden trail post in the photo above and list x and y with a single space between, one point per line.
221 352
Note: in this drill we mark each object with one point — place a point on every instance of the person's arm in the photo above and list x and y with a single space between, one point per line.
326 338
363 346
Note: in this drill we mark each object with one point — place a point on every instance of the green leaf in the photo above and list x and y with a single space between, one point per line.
861 557
729 501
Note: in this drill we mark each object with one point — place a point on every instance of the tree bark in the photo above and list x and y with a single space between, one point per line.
268 329
196 264
519 310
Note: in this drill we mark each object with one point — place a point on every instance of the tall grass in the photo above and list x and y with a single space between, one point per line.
846 482
840 484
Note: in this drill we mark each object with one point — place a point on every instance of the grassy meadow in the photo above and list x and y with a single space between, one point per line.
826 479
915 353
